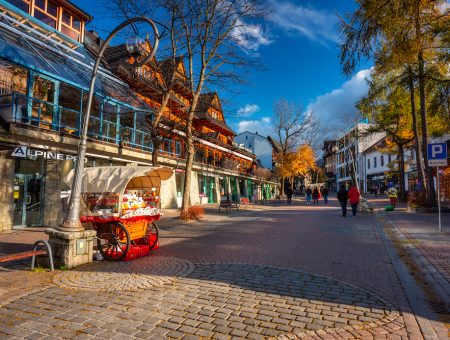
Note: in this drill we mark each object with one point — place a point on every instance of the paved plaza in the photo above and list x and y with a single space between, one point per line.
271 271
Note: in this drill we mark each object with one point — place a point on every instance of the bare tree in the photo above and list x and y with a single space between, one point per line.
292 128
214 31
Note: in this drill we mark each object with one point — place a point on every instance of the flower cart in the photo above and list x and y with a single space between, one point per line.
118 205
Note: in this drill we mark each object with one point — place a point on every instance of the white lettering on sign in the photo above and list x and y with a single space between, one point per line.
23 151
20 151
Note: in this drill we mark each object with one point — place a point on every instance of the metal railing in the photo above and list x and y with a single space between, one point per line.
21 109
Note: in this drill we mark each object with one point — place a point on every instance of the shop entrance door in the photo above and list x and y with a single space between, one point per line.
27 200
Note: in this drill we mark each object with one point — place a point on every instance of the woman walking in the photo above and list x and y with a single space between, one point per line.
353 197
342 197
315 196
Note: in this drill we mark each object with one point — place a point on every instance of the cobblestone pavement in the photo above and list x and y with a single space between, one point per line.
215 301
274 271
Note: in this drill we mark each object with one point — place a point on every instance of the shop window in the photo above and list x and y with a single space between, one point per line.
12 78
29 166
24 5
179 180
69 105
43 105
201 185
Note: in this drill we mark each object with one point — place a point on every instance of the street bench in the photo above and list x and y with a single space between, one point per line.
31 253
245 202
228 205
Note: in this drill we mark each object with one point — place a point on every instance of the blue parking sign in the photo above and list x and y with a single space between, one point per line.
437 154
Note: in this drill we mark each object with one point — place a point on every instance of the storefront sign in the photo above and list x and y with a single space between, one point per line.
23 151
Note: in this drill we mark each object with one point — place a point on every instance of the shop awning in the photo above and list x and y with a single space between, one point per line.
117 179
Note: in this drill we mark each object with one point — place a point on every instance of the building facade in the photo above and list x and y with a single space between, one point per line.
258 145
46 60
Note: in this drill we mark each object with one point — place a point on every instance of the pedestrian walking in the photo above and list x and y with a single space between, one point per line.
342 197
353 197
325 195
289 193
376 192
392 194
315 196
308 195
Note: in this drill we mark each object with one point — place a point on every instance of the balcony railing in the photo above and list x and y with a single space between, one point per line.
21 109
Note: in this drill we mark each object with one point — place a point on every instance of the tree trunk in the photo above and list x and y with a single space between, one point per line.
431 193
155 152
401 167
418 149
186 203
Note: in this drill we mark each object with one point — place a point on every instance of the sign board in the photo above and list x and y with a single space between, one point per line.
437 154
23 151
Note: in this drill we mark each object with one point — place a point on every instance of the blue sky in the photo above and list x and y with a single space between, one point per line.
299 51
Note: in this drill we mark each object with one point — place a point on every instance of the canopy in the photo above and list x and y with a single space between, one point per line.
120 178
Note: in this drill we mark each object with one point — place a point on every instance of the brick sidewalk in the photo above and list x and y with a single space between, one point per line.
269 271
418 233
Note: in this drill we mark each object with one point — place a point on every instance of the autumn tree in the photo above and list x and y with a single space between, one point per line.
387 106
296 163
292 127
413 34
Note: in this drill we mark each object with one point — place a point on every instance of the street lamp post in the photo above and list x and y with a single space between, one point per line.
135 46
71 244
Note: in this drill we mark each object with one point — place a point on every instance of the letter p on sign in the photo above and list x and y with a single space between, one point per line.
436 150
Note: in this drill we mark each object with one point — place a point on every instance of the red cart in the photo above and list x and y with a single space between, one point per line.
117 207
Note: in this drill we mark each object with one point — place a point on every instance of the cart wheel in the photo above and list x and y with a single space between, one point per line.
113 241
151 234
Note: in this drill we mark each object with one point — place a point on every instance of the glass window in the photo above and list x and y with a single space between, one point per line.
69 105
40 4
382 160
52 9
45 18
66 18
12 78
368 164
389 158
76 23
201 184
24 5
374 162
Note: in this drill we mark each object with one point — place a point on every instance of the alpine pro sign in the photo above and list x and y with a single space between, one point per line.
23 151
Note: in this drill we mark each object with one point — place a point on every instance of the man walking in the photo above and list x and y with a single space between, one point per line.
325 195
289 193
342 197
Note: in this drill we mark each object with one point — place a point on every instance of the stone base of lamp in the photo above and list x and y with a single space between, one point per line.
71 249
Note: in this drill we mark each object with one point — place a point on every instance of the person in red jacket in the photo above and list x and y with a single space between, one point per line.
353 198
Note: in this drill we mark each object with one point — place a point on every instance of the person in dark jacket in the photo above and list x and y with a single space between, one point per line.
315 196
342 197
289 193
325 195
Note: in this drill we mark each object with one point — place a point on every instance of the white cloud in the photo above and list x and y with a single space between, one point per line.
316 25
248 110
249 37
336 109
262 126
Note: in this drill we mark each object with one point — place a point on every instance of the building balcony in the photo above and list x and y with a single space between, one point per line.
16 108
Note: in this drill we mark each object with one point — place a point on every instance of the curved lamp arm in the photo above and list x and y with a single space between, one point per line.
72 219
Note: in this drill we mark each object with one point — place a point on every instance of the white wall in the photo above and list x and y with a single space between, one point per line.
259 145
